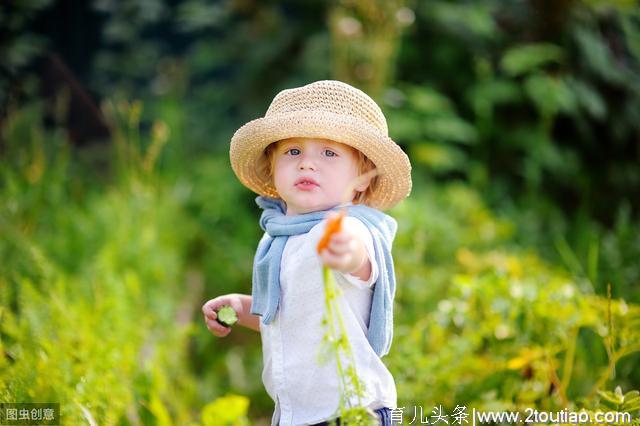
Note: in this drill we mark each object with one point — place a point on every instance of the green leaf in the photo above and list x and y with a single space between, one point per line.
633 402
438 157
597 56
195 16
470 19
634 394
588 98
428 101
610 397
525 59
404 126
550 95
486 94
159 410
450 128
630 408
227 410
632 33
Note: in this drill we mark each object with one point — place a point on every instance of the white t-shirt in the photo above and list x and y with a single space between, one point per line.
306 392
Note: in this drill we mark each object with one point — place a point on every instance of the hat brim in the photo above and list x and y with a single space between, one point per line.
249 142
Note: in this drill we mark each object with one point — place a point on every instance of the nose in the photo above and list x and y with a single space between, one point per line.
306 162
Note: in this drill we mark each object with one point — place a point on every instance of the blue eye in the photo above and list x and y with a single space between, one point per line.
329 153
293 151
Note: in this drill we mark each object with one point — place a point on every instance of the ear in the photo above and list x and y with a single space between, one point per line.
362 186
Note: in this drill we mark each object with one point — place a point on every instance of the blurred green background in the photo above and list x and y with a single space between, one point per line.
517 255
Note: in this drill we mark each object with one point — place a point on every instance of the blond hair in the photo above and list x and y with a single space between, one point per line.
363 164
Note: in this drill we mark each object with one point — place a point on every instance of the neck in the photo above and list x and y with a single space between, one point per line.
291 212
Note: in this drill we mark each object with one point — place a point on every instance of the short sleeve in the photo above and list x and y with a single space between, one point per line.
362 232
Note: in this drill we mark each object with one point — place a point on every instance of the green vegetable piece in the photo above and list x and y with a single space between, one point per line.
227 316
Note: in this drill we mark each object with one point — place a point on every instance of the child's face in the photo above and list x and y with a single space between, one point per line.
313 174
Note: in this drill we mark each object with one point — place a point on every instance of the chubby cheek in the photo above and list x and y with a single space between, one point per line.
278 183
283 181
346 176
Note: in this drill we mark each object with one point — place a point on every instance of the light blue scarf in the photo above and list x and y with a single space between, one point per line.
266 264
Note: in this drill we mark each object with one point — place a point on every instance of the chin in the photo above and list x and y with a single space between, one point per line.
311 206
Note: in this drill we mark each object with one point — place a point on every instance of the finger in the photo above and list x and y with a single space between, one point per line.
216 328
209 309
206 309
339 248
211 315
341 237
339 262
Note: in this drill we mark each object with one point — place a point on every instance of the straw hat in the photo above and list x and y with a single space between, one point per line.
326 110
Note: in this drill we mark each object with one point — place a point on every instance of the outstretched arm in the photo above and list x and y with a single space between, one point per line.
241 303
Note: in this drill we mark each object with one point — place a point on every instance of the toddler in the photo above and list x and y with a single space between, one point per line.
306 158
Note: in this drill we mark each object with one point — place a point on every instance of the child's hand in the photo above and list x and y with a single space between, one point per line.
346 253
209 310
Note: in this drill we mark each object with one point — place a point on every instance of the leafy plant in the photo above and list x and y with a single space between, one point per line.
617 401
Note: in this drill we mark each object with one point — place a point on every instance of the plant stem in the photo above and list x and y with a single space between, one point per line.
340 344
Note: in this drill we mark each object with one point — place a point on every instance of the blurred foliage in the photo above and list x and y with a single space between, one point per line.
18 45
88 285
102 285
504 330
226 410
532 98
530 109
536 105
517 253
206 66
617 401
365 36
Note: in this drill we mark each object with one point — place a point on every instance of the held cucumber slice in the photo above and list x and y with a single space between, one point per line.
227 316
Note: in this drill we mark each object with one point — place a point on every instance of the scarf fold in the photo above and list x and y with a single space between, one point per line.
266 265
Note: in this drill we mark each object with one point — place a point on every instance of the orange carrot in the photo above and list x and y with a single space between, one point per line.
333 226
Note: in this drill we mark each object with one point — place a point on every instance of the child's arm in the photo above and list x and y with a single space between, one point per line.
347 253
241 303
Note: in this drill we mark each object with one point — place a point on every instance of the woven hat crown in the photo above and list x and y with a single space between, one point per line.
333 97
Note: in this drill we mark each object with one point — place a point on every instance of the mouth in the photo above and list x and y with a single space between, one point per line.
305 183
